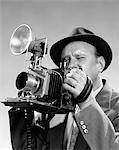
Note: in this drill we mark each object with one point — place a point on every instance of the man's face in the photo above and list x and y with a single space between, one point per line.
83 55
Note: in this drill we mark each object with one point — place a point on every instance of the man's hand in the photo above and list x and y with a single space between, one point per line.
75 81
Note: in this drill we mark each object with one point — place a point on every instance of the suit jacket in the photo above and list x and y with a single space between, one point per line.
98 123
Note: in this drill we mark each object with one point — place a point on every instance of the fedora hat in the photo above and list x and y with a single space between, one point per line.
82 34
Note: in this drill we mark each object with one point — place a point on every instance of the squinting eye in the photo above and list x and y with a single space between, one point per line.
78 58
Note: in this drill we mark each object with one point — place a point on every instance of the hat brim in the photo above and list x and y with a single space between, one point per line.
101 45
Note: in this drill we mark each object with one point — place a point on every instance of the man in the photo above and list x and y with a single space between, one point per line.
97 111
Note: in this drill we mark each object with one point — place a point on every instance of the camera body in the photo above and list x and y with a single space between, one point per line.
44 84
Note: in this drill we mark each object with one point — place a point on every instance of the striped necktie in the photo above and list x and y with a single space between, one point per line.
71 132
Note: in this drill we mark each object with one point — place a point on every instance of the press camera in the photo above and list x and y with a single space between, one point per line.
39 88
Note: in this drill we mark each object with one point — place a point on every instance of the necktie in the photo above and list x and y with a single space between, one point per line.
74 135
71 131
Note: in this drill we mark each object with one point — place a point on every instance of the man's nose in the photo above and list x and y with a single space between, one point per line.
73 63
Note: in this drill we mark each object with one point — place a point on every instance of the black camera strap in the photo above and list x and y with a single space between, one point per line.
85 92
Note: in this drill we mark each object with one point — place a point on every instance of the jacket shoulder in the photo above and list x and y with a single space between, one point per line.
115 95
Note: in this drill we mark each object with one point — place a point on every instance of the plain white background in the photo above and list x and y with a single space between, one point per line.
54 20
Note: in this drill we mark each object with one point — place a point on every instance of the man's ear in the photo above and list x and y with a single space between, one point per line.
101 63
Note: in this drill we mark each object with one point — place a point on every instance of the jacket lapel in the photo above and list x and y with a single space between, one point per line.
104 97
